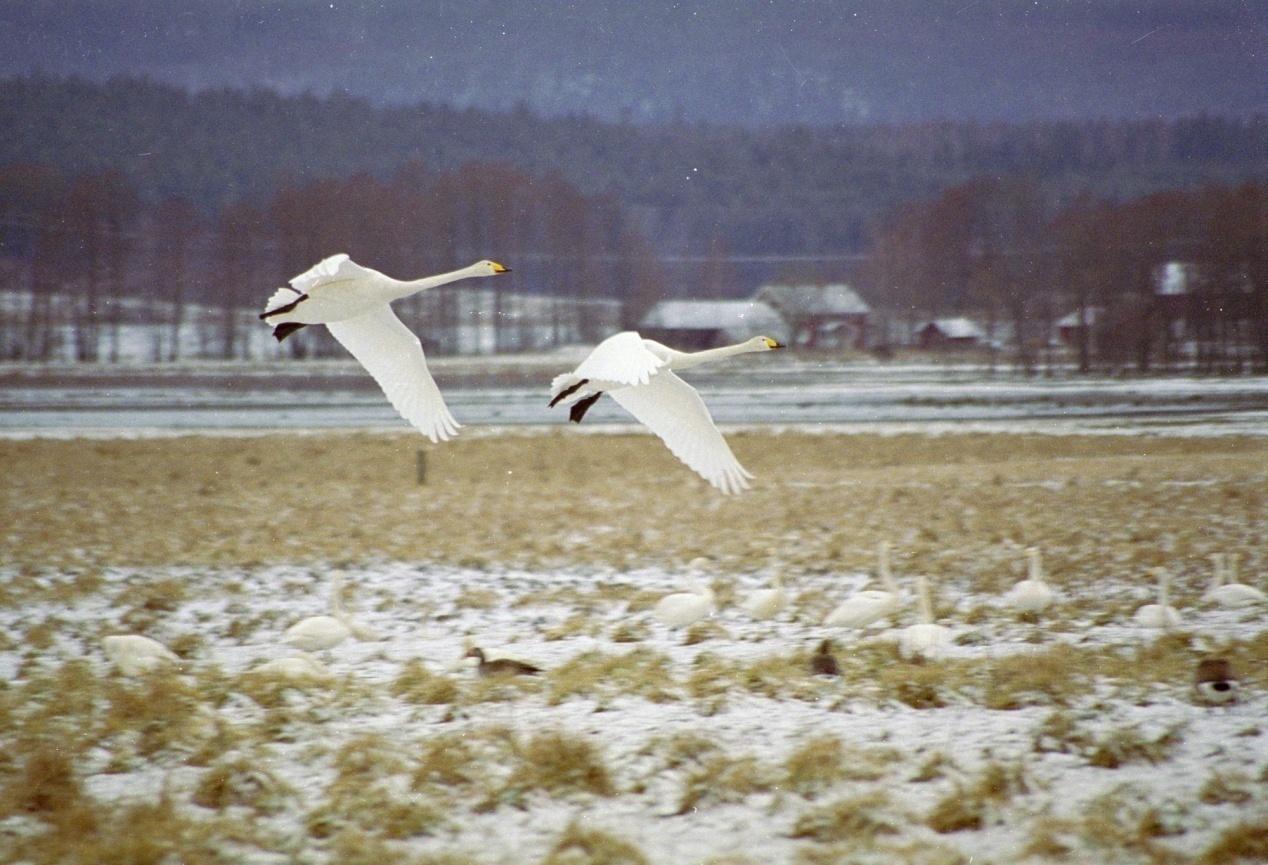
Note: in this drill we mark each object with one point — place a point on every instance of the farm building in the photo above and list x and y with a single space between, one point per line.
831 315
697 324
950 333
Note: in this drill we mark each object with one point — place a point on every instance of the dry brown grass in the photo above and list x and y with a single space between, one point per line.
215 500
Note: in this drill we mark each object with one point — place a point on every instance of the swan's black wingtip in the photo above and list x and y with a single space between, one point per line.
581 406
282 331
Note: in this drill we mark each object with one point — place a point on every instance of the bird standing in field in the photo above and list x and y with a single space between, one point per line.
500 666
640 375
823 663
1215 682
354 303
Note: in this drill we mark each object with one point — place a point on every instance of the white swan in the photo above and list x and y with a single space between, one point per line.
354 303
134 654
299 668
683 608
1225 590
1030 595
640 375
325 632
870 605
926 639
1161 614
767 603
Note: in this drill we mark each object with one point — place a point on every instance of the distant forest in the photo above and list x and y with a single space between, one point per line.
132 188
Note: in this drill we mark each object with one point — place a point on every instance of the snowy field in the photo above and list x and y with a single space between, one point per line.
1071 736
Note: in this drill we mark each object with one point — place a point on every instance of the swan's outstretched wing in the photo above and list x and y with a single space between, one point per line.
336 268
672 409
620 359
392 354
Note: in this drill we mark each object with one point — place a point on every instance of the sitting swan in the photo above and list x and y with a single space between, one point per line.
1031 595
324 632
296 669
870 605
640 375
354 303
683 608
1225 590
134 654
1161 614
926 639
767 603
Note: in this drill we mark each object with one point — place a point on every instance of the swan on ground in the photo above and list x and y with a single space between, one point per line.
354 303
134 654
870 605
297 668
767 603
640 375
500 666
926 639
316 633
1161 614
1225 590
683 608
1215 682
823 663
1030 595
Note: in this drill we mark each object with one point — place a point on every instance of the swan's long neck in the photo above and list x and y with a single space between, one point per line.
1036 569
887 578
404 288
926 605
1230 568
1164 589
687 359
1217 578
337 609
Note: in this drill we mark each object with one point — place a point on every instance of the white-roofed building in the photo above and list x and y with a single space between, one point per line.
697 324
959 332
820 315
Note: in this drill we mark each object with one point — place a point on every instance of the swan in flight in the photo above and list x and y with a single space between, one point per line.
1030 595
325 632
640 375
925 640
870 605
1225 590
134 654
1161 614
354 303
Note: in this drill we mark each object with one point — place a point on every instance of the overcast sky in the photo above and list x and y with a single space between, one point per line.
750 62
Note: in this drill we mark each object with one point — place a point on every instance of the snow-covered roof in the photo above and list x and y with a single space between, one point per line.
1090 315
835 298
1174 278
713 315
956 328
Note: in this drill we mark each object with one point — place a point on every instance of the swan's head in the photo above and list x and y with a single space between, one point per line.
489 268
764 343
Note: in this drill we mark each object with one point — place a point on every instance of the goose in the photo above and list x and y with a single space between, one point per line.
1032 594
823 663
767 603
354 303
926 639
316 633
640 374
500 666
870 605
683 608
1215 682
1161 614
1225 590
134 654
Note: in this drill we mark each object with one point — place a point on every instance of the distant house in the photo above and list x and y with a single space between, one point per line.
820 315
1069 327
950 333
697 324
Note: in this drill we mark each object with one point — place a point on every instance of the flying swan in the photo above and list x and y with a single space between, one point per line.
639 374
354 303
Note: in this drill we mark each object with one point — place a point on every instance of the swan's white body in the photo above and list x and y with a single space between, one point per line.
1030 595
926 639
1161 614
299 668
640 375
354 303
767 603
1226 591
134 654
683 608
317 633
870 605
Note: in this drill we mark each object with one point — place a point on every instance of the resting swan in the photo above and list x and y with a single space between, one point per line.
639 374
1033 594
354 303
767 603
1225 590
1161 614
925 640
870 605
325 632
134 654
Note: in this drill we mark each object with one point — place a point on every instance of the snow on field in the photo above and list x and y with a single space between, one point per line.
698 736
